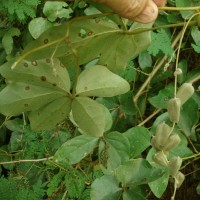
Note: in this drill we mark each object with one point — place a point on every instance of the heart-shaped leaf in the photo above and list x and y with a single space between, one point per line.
89 115
74 150
99 81
48 116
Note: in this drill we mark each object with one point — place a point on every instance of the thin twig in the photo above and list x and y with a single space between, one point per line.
149 117
195 79
152 74
23 161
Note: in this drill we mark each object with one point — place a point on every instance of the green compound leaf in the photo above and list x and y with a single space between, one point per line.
105 188
186 3
99 81
51 114
139 139
89 115
133 195
159 186
136 172
38 25
189 117
54 10
20 97
44 73
160 100
74 150
118 150
161 42
7 40
113 53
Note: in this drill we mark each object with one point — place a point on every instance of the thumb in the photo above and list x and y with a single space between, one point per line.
125 8
144 11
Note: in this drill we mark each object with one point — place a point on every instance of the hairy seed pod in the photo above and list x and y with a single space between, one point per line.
172 142
162 134
185 92
174 165
179 178
173 109
154 143
160 158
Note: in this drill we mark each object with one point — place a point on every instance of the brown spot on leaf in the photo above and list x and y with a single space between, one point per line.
48 60
85 88
25 64
43 78
46 41
27 87
54 84
89 33
26 105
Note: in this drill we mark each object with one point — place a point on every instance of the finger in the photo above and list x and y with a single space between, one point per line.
125 8
149 14
160 3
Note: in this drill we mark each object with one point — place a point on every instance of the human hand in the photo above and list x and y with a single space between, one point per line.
144 11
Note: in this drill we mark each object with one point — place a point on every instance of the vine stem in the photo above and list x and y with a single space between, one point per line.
23 161
180 8
190 157
178 52
152 74
149 117
141 30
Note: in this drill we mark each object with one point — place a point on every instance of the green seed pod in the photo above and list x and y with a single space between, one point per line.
154 143
161 158
173 109
162 134
185 92
174 166
172 142
179 178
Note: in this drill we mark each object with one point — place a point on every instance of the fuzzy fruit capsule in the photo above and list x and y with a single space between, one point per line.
160 158
185 92
172 142
161 137
174 166
173 109
179 178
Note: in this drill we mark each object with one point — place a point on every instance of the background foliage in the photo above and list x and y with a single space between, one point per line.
83 94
